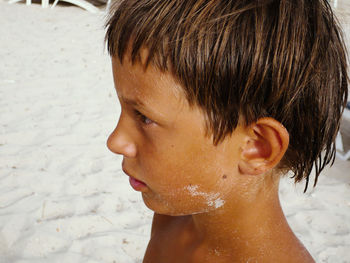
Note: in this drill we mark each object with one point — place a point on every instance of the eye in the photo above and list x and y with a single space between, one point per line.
142 118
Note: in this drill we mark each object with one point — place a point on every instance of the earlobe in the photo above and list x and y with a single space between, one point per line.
266 143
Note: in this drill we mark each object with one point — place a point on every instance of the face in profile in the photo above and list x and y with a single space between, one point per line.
165 149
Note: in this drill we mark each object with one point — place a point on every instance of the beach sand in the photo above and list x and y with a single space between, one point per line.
63 196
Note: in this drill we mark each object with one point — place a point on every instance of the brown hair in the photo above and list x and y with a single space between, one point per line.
247 59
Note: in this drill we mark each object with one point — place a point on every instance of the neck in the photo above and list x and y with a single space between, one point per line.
247 227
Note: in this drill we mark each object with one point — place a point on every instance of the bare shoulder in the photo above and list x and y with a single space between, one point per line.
289 249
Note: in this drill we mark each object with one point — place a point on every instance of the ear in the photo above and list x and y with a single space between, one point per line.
265 144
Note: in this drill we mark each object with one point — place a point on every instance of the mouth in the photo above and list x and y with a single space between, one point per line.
137 185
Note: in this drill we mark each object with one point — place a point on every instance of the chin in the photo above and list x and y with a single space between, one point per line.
174 208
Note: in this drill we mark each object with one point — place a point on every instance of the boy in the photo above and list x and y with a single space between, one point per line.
219 99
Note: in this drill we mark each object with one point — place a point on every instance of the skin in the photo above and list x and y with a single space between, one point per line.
212 203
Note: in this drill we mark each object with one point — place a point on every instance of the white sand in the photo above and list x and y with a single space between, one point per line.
63 197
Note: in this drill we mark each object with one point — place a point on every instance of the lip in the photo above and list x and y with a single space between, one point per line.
136 184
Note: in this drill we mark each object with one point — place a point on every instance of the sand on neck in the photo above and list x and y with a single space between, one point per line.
244 226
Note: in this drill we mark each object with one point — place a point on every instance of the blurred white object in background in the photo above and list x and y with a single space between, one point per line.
44 3
341 154
81 3
335 3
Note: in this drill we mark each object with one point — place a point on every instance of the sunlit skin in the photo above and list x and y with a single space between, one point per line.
212 203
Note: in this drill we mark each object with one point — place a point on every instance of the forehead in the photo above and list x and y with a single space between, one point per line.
150 89
133 80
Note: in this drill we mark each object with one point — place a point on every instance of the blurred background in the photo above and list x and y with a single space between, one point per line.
63 196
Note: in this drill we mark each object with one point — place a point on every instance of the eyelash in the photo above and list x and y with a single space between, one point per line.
142 118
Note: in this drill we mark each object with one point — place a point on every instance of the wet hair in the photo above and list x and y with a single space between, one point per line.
241 60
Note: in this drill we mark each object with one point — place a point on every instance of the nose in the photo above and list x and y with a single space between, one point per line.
120 141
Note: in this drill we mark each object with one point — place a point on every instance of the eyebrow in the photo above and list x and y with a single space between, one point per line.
136 103
142 106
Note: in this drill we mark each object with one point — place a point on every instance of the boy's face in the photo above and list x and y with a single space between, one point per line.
163 142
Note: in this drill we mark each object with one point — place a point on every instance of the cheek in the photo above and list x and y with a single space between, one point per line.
175 166
186 174
182 184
